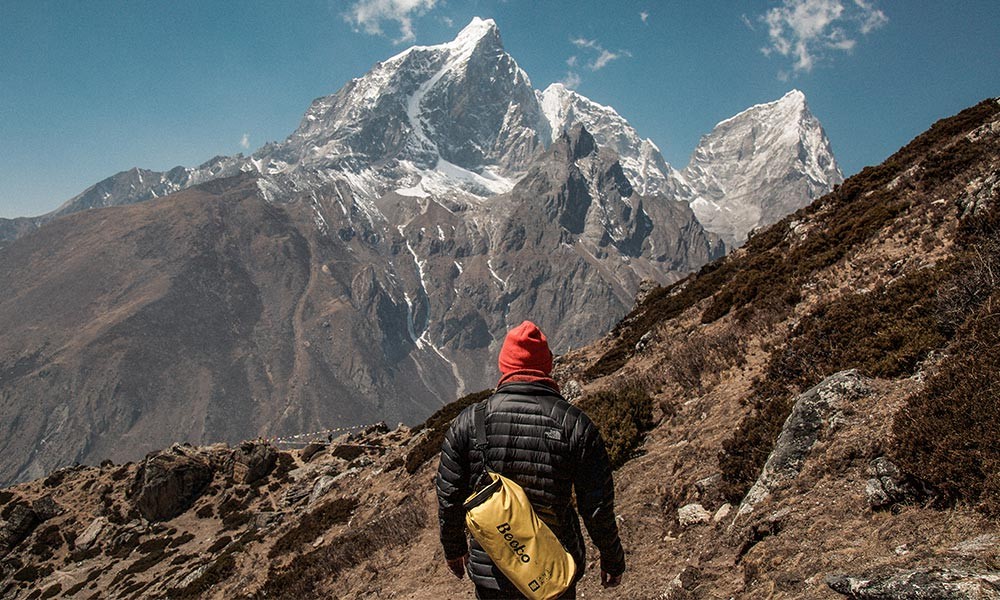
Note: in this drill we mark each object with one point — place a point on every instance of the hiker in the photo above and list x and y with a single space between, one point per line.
546 445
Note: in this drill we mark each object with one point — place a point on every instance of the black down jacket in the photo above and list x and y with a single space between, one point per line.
550 448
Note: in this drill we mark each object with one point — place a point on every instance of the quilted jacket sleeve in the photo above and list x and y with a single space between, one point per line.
453 486
595 495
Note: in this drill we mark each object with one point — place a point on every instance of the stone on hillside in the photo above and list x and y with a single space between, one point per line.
692 514
90 535
46 508
167 483
888 485
320 488
267 518
643 341
311 450
379 427
813 411
919 584
251 462
295 494
646 287
981 546
722 513
21 521
125 539
710 489
571 390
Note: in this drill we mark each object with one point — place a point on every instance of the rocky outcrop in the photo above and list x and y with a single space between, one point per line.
812 413
919 584
92 533
692 514
251 462
888 486
167 483
20 521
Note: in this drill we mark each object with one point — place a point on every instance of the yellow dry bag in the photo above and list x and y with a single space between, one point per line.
522 546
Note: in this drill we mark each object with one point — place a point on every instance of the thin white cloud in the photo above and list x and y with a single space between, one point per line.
644 16
571 80
747 22
571 61
245 141
369 15
603 57
448 21
873 18
807 31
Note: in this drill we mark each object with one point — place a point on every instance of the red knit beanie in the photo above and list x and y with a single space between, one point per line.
525 349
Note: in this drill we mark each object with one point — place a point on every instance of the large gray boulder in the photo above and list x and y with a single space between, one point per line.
919 584
167 483
814 411
92 533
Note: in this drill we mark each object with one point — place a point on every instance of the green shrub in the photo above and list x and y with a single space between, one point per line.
882 333
299 579
436 426
181 539
662 304
75 589
947 435
156 544
622 415
231 505
147 561
219 544
47 539
182 558
32 573
235 520
313 525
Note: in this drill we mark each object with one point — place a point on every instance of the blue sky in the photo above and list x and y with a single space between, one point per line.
88 89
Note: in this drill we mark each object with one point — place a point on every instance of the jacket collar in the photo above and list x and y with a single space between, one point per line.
527 389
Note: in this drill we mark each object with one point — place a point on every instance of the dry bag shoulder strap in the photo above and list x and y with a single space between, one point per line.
481 443
479 417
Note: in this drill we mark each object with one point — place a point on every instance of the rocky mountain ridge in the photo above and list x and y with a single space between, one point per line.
460 120
364 268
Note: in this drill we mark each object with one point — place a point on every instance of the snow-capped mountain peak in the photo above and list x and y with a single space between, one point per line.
463 107
640 158
474 33
759 165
